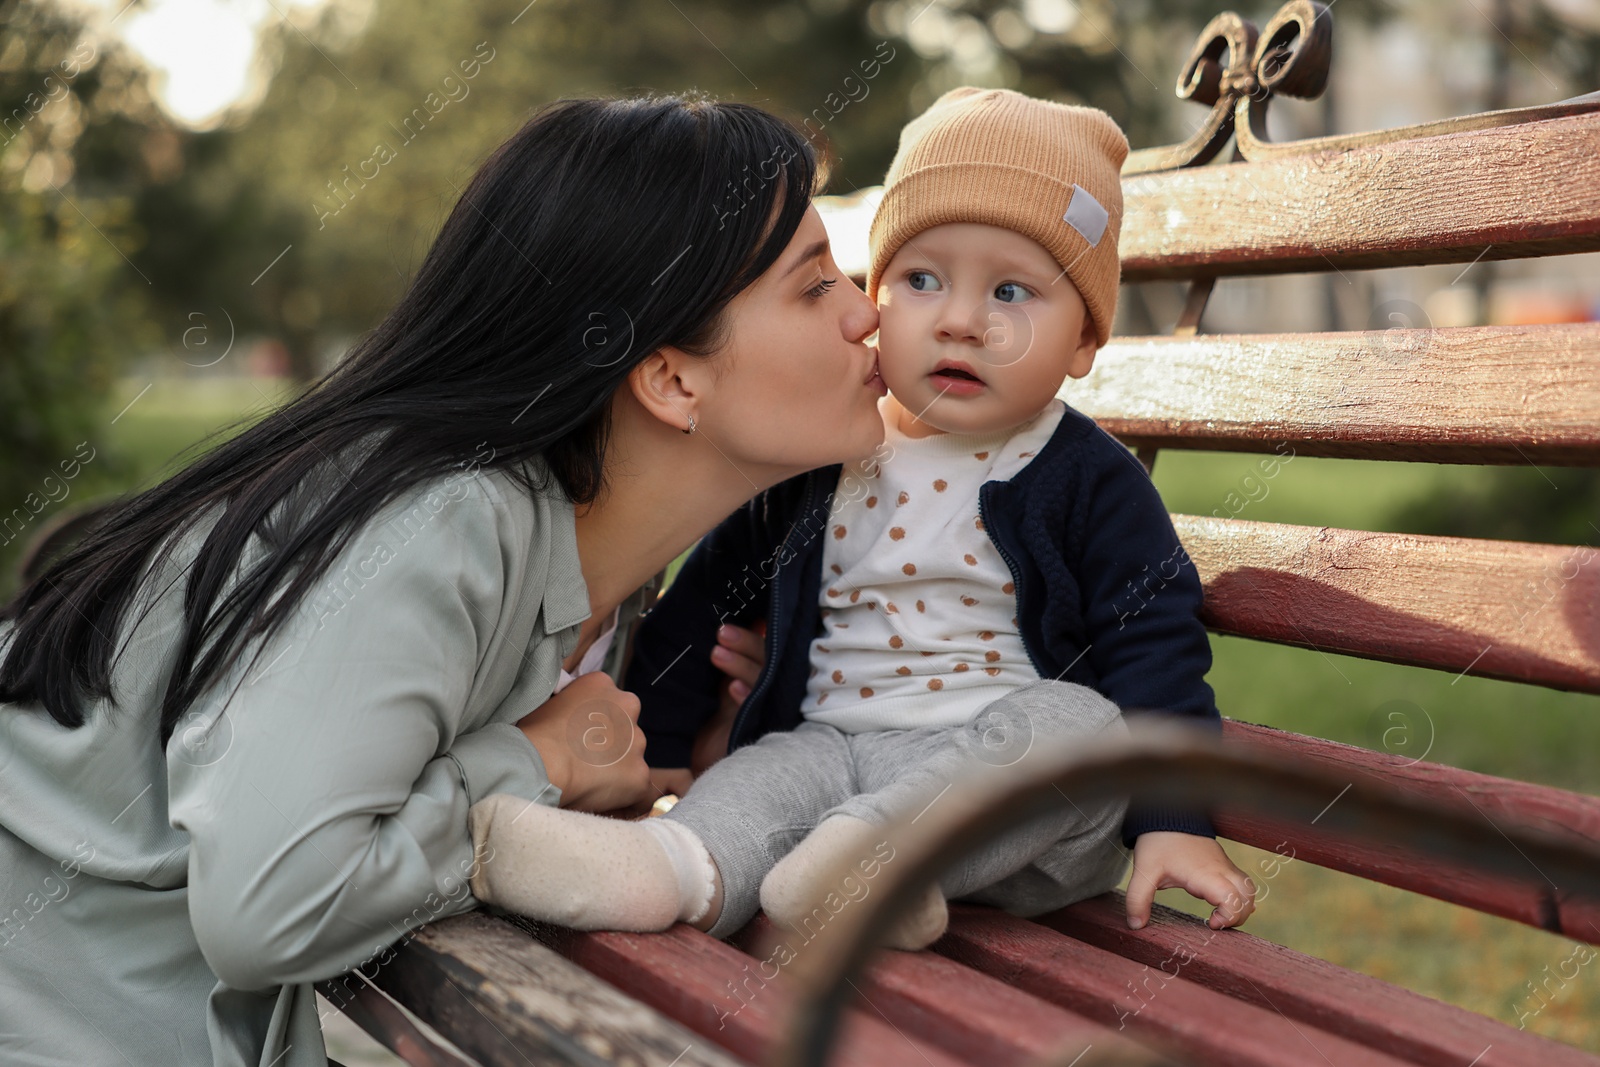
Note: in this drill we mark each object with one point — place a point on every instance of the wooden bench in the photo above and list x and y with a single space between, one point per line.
1078 986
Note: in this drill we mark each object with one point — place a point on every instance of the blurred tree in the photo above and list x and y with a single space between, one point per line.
371 122
375 118
74 124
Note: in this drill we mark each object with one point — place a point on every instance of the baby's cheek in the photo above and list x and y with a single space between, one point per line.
898 360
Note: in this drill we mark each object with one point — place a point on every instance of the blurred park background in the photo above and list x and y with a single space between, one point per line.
203 202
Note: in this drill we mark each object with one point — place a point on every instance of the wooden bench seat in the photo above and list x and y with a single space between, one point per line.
1079 987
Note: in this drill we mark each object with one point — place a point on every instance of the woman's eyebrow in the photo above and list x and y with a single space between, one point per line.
809 254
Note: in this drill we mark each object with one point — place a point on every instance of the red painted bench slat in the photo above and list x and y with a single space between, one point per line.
1428 200
1311 990
1210 1027
966 1013
717 991
1500 802
1477 394
1497 609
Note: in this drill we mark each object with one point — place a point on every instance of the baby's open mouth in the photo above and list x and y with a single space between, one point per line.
955 379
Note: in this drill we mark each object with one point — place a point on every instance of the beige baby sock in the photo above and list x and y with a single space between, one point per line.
799 884
588 872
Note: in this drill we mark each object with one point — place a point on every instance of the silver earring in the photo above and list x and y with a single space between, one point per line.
691 425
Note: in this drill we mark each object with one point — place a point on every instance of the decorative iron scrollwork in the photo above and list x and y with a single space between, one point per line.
1236 70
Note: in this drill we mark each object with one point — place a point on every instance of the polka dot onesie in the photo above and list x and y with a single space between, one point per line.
918 607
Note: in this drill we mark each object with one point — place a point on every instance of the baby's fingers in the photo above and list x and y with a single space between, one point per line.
1234 896
740 654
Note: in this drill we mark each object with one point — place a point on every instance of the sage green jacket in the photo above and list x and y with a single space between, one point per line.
173 907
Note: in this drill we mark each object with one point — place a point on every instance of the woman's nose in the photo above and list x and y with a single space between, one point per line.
862 320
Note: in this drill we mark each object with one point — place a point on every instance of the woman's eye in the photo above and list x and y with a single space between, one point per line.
817 291
1011 293
922 281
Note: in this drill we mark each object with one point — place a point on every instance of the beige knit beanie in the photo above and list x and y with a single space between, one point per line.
1049 171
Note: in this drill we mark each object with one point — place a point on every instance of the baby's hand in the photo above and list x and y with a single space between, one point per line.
1197 865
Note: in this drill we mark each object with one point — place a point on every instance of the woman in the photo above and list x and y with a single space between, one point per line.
242 722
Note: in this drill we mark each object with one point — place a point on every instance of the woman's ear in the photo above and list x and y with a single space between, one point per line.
665 384
1082 359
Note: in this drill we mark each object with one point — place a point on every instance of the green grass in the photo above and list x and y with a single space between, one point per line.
1306 490
152 438
1495 727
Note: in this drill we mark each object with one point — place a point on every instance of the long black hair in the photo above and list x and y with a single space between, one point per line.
601 231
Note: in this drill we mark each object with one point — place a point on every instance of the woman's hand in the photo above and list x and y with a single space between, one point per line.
593 750
1168 860
740 654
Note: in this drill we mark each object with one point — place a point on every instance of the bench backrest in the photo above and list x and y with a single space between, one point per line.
1502 185
1498 186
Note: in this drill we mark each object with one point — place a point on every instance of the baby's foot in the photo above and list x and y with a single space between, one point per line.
587 871
794 889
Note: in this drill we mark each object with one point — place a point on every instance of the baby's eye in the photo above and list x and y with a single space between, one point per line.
1011 293
922 281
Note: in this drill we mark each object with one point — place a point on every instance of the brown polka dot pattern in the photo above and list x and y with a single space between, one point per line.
866 690
838 677
970 560
909 568
935 684
896 533
838 533
969 601
904 499
895 641
872 501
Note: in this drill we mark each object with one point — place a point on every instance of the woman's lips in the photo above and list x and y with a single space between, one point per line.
875 380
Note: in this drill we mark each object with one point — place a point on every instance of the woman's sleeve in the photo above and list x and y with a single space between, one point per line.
326 801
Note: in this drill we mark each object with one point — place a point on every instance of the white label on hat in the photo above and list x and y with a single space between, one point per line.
1085 215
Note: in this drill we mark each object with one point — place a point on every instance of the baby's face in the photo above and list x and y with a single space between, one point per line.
978 327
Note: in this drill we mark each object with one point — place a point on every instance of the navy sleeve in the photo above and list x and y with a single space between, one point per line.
671 671
1141 604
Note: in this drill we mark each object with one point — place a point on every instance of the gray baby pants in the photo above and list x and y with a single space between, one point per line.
759 802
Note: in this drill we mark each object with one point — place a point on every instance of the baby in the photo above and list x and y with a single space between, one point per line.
976 585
